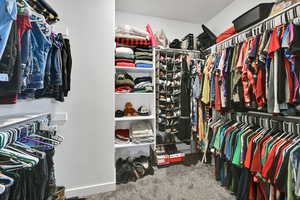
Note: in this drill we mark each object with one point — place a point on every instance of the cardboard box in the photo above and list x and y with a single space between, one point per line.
280 6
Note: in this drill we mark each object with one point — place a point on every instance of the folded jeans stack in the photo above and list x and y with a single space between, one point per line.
144 57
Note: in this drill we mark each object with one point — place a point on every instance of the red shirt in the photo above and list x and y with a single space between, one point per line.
270 159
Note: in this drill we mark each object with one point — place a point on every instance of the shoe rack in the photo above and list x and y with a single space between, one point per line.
169 73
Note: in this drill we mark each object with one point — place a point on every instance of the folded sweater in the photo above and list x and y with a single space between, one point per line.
143 54
125 64
141 65
124 60
144 62
149 50
143 57
125 57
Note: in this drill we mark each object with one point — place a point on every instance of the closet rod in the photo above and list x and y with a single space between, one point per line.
13 120
178 50
294 119
254 26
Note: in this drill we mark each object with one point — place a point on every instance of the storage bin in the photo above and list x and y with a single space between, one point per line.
256 14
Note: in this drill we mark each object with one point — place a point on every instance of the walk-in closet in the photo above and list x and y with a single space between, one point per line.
149 100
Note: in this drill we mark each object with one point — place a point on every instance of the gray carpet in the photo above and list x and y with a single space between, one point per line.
172 183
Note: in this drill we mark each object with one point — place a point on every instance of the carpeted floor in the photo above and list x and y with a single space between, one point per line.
173 183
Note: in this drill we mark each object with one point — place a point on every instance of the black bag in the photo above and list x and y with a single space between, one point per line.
205 39
188 42
175 44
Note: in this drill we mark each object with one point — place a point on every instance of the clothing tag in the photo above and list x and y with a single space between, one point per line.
4 77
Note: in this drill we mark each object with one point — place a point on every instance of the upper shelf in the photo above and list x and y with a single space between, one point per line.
134 69
6 121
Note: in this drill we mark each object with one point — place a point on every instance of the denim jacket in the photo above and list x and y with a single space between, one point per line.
8 13
40 49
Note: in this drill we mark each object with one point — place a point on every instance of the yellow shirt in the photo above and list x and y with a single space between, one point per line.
206 85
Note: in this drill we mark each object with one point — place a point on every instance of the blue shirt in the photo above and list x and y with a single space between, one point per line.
8 13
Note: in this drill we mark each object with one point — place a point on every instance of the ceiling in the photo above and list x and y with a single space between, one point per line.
192 11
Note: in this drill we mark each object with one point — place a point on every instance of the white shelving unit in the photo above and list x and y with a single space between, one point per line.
137 100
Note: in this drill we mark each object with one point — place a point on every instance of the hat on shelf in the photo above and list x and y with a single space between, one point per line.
143 111
119 113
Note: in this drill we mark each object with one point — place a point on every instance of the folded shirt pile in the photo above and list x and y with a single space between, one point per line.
124 57
132 36
144 57
141 132
143 85
125 83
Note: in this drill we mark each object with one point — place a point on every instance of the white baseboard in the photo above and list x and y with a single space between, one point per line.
90 190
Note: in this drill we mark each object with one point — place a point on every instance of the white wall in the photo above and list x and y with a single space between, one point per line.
223 20
172 28
85 161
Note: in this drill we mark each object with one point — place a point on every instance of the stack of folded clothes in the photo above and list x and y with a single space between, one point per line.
124 83
132 36
124 57
141 132
143 85
144 57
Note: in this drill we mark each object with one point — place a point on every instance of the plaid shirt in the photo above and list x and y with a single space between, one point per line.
133 42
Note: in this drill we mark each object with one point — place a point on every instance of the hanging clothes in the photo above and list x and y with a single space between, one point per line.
261 73
255 162
184 125
31 55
